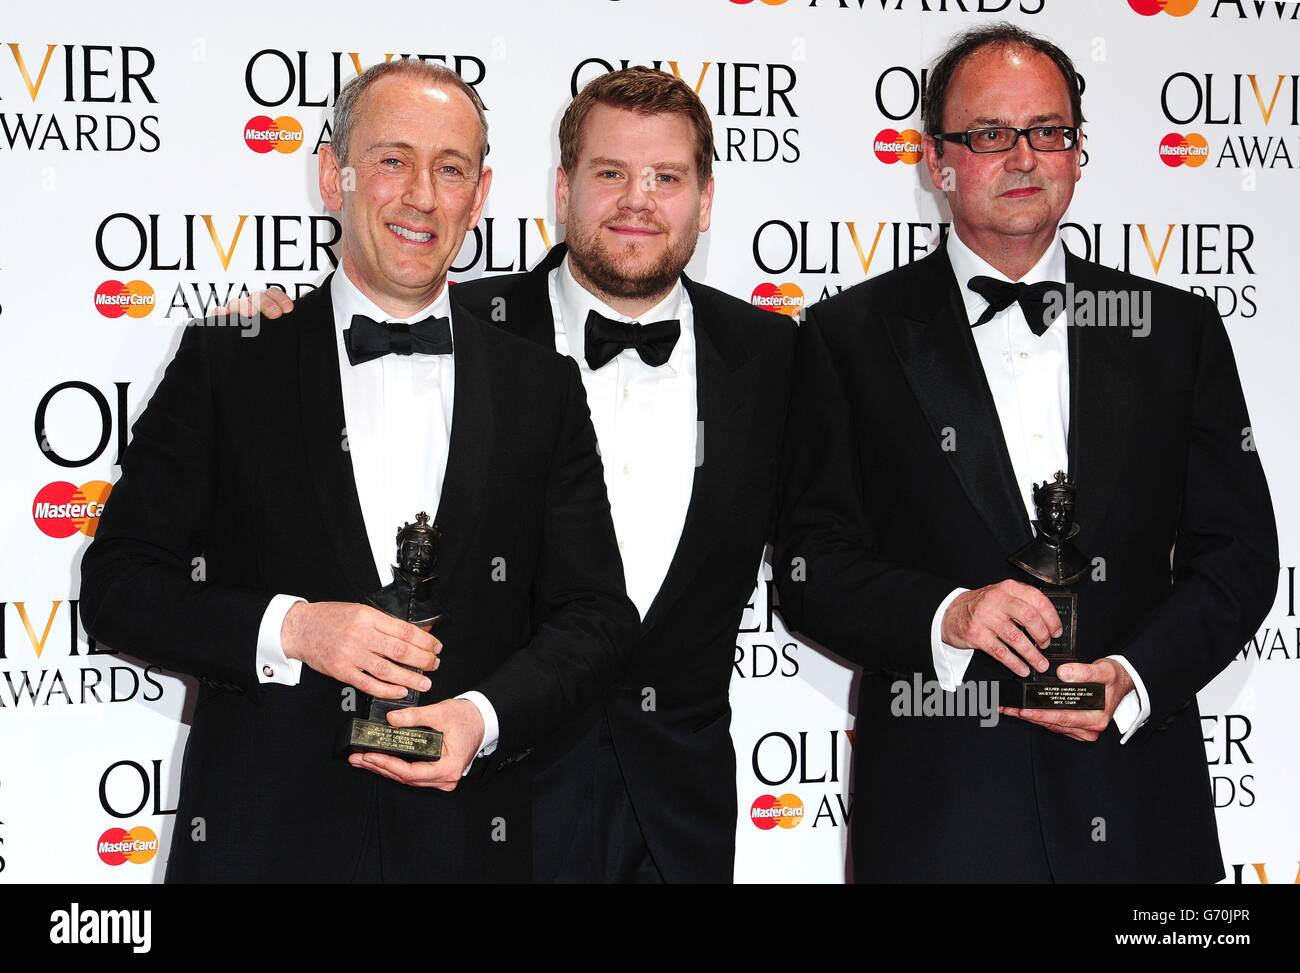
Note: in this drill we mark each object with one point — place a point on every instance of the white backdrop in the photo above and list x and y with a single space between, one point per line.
126 171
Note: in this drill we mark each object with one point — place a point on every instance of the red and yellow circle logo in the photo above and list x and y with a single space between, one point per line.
263 133
135 299
768 812
61 509
893 146
781 298
1175 8
1184 150
116 847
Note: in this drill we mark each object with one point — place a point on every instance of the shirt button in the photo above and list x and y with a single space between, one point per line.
1024 354
268 671
625 469
626 392
1038 437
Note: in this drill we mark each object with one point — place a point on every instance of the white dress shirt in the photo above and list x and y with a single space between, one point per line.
397 412
645 420
1029 376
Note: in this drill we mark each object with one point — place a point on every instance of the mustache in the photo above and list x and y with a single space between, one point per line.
636 225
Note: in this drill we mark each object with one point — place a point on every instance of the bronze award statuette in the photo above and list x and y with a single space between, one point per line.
1052 558
410 597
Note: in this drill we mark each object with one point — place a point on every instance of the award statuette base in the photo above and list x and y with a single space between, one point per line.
1045 690
377 735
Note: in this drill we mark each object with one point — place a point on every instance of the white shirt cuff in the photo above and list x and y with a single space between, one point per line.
1135 708
949 662
272 664
491 728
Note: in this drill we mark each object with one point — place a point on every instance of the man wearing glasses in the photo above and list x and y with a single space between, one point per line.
927 404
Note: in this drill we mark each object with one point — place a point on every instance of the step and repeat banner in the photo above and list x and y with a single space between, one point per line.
157 163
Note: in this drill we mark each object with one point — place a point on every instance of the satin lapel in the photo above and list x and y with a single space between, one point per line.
723 378
330 464
471 439
1101 402
933 342
527 307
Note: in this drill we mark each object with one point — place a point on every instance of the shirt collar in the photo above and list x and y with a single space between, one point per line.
348 300
966 263
575 301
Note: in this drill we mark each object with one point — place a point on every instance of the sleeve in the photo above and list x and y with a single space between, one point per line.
272 664
142 589
1225 559
586 625
834 583
950 662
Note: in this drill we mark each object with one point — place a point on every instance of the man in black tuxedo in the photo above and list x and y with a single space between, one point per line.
689 406
926 404
284 466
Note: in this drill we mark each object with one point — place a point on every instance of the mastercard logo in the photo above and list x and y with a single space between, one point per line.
1184 150
1175 8
769 3
263 133
117 847
893 146
135 299
768 812
62 509
781 298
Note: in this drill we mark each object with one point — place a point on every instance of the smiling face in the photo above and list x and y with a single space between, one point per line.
418 189
1006 202
633 206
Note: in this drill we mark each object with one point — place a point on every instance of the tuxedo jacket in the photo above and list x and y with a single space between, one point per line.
898 488
674 748
240 458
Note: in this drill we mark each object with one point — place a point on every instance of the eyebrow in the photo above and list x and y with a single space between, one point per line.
456 153
991 122
604 162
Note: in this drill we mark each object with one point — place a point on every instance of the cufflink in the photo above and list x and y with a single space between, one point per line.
268 671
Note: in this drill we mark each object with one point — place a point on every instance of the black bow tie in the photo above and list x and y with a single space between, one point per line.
1036 300
368 339
653 342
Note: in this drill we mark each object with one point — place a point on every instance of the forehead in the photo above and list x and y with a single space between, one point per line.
401 108
621 133
1011 84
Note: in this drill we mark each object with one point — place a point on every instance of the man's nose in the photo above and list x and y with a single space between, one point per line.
421 192
1022 157
638 194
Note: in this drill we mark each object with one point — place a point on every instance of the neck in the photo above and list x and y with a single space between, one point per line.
632 307
1013 256
396 304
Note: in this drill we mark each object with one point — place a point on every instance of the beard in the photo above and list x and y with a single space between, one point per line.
618 275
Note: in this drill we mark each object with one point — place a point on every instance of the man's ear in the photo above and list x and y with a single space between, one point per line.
481 194
706 205
330 174
561 195
934 162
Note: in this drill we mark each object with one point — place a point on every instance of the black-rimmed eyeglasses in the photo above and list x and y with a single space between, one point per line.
1043 138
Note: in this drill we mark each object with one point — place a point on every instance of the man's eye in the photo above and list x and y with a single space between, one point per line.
385 162
607 173
451 170
667 176
989 135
